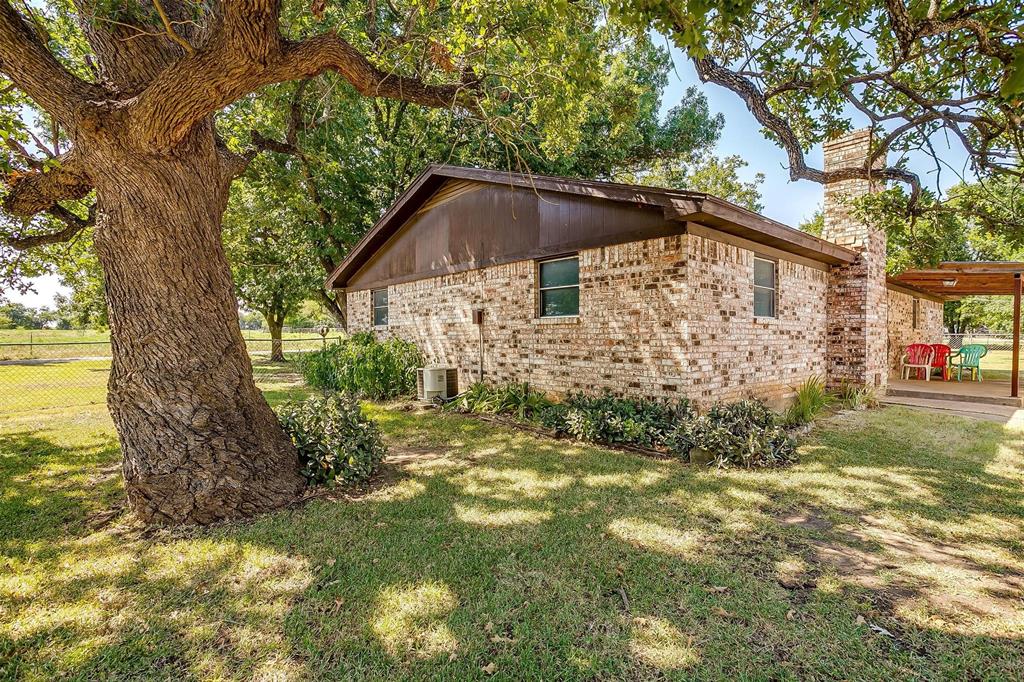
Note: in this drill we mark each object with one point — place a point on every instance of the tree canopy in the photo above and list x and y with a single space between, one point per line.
915 71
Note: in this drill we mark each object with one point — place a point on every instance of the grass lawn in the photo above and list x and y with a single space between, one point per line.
892 551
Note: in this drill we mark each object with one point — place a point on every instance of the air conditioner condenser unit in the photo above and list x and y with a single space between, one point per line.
434 383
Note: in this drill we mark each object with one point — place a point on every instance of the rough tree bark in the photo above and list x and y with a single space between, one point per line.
200 443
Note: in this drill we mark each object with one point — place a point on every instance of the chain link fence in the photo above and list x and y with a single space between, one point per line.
48 375
991 341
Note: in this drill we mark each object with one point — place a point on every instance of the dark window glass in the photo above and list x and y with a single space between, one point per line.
380 307
560 302
764 273
560 273
560 287
764 287
917 313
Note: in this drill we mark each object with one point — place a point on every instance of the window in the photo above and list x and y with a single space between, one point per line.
764 287
560 287
380 307
917 312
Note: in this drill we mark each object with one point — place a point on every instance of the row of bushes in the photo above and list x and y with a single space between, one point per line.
336 443
745 433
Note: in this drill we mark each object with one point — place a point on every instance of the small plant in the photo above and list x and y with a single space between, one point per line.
515 399
364 366
336 443
811 398
853 397
745 433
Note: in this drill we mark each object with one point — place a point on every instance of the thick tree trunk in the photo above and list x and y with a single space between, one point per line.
200 443
276 322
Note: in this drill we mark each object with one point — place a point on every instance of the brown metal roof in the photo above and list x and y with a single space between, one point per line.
677 205
951 280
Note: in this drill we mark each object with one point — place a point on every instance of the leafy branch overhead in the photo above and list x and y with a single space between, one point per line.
918 72
153 71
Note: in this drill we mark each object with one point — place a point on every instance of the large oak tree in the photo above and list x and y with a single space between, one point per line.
132 88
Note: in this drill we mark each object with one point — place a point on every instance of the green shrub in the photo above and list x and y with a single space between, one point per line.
618 421
745 433
854 397
811 398
336 443
364 366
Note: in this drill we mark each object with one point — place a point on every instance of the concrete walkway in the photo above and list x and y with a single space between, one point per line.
1007 415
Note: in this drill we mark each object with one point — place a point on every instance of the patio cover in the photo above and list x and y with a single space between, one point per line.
953 280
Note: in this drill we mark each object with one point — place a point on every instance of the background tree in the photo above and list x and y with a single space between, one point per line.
273 259
133 88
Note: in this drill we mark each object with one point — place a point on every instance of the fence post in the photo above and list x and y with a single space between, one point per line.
30 355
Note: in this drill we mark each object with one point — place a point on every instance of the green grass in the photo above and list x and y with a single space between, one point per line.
483 549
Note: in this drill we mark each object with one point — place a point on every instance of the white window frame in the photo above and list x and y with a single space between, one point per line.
541 290
773 289
374 307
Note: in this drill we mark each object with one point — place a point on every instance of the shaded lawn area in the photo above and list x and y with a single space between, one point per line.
483 552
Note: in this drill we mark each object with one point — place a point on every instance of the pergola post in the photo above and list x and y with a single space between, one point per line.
1015 375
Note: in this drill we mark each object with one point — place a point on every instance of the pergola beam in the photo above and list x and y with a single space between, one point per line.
1015 365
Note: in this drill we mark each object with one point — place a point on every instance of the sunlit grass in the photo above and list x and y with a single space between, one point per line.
490 552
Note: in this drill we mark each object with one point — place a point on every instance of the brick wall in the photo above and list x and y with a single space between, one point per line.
857 298
901 324
663 317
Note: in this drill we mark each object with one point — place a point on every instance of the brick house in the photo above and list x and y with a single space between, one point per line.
576 285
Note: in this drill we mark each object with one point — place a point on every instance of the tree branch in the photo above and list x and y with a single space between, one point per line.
27 62
74 225
35 192
246 53
710 71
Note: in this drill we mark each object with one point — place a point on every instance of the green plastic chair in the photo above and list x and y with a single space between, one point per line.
969 357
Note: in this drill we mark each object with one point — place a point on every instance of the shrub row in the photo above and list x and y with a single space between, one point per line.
363 366
745 433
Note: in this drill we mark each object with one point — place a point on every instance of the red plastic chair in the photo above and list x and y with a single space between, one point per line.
940 360
917 356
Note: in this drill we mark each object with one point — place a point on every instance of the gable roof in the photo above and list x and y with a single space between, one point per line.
677 205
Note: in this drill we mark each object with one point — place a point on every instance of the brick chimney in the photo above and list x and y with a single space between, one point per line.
857 296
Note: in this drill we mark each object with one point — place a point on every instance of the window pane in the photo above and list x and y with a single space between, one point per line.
560 273
380 316
380 297
555 302
764 302
764 273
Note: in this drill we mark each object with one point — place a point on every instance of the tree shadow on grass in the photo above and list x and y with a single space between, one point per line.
48 490
496 552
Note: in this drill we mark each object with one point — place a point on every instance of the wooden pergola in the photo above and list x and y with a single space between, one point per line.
953 280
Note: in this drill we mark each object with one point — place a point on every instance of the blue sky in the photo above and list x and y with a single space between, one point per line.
785 201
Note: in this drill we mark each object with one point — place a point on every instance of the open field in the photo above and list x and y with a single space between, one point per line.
100 347
57 384
894 550
94 336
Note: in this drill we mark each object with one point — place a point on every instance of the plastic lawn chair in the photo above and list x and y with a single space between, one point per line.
969 358
917 356
940 360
